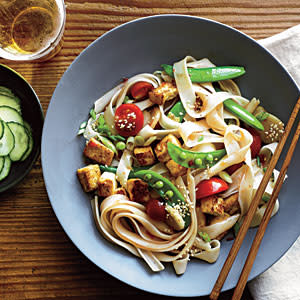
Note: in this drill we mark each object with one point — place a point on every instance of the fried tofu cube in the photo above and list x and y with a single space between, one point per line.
161 149
98 152
231 204
165 92
88 177
212 205
138 190
219 219
107 184
144 155
120 191
175 169
201 217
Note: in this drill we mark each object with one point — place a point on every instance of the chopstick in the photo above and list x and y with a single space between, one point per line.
252 208
238 292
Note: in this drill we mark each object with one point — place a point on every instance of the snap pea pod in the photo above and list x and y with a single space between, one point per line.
209 74
110 169
168 191
108 143
242 113
177 112
191 159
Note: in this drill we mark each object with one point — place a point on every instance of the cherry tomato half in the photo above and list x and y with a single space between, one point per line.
210 187
140 90
256 144
129 119
156 210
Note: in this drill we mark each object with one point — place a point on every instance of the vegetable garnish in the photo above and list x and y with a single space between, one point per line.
156 210
236 228
177 112
210 187
242 113
140 90
256 144
205 237
93 114
209 74
191 159
103 128
258 161
225 176
265 198
129 119
262 116
82 128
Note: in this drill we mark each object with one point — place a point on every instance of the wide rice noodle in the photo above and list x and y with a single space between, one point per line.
126 223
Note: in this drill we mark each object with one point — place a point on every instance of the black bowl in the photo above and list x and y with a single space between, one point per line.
32 113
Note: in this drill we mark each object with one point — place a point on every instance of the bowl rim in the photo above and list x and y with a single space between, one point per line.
137 20
38 149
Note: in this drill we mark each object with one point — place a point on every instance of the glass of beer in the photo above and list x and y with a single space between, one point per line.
31 29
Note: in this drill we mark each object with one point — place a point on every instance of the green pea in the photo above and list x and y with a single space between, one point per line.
198 162
159 184
148 177
169 194
209 157
120 146
139 140
182 155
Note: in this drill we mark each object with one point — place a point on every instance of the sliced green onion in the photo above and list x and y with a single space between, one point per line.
265 198
93 114
127 100
130 143
82 128
236 228
225 176
150 140
258 161
205 237
80 131
119 138
262 116
201 138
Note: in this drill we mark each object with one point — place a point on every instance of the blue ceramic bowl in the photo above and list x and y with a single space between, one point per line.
32 113
142 46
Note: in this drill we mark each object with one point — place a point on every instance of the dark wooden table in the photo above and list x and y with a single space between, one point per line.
37 259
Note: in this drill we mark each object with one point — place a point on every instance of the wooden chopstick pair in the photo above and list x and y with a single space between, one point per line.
252 209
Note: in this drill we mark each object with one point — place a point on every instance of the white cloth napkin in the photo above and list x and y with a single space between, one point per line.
282 280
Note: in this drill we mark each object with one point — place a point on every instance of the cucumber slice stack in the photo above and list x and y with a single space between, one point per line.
16 141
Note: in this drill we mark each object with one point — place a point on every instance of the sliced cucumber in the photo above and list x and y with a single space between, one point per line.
9 114
30 146
1 163
6 91
6 167
21 140
11 102
7 142
1 130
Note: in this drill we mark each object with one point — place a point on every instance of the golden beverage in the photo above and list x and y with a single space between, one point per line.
31 29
